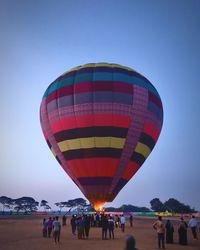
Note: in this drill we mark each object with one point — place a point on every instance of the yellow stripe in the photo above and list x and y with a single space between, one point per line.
101 142
142 149
91 142
117 142
85 142
99 65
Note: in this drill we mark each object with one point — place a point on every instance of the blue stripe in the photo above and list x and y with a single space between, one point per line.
102 76
155 109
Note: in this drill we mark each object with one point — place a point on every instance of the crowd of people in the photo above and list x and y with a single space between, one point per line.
165 231
107 223
81 224
52 225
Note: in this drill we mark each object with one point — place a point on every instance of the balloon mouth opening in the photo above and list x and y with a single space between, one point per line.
98 206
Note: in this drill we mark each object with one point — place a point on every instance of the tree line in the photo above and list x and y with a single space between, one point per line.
29 204
171 205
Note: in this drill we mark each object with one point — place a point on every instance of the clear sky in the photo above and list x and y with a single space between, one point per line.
41 39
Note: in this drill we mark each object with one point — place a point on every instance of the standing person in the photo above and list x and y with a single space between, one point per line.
111 227
182 232
130 243
95 219
73 224
44 228
81 227
122 222
56 230
49 226
193 224
169 232
99 220
198 227
131 220
87 225
160 229
64 219
116 221
104 221
92 220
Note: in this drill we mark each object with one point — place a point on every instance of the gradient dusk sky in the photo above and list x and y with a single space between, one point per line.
41 39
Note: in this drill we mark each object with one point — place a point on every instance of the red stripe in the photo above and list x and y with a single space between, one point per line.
151 130
130 170
93 167
90 87
65 91
82 121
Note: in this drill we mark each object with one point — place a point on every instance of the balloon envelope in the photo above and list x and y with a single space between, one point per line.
101 121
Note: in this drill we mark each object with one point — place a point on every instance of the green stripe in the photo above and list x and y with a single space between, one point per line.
101 76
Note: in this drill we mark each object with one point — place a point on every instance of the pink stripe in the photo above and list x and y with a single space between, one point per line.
90 108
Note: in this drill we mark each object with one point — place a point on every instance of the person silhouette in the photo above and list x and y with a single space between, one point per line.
130 243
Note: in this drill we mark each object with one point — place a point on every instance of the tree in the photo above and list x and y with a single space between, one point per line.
60 205
44 204
175 206
127 208
6 202
157 205
47 207
172 205
79 204
26 204
131 208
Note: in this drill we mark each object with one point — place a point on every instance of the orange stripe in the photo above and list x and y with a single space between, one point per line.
130 170
81 121
151 130
90 167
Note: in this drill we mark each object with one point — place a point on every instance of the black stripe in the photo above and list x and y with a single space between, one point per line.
58 160
138 158
48 143
100 180
121 183
98 131
91 153
147 140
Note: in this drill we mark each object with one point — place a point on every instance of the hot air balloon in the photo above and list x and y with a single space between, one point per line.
101 121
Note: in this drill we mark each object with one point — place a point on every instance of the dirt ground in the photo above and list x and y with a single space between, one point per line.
26 233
